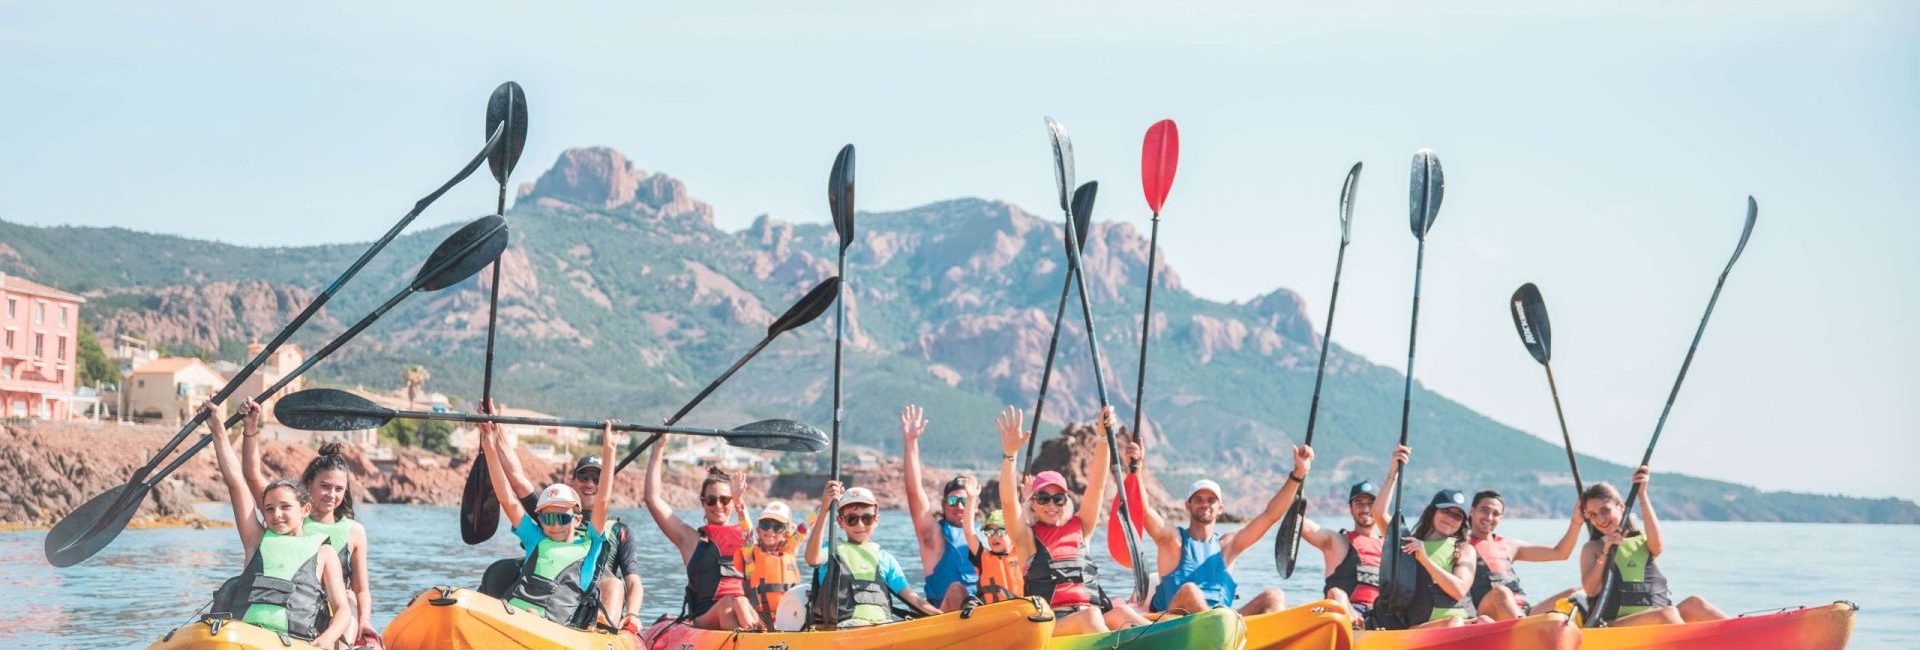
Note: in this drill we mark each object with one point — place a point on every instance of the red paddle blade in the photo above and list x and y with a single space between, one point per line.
1137 506
1159 156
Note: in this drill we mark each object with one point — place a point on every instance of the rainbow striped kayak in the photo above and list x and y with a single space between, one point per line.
1215 628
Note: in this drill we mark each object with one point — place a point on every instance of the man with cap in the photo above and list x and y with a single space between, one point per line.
1195 561
1352 557
866 577
944 535
619 562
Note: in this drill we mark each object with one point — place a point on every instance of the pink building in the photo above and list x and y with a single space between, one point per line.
39 342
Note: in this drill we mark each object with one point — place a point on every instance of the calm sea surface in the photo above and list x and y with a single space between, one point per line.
149 581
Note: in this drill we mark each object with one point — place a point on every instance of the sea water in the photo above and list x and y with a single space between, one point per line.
149 581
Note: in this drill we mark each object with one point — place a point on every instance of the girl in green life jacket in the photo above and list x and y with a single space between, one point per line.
1640 594
1447 562
561 558
328 480
290 579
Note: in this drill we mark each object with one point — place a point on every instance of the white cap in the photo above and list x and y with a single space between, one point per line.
1204 484
557 493
777 511
858 496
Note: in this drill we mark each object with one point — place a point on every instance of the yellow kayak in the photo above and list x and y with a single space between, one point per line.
222 633
452 618
1808 628
1009 625
1319 625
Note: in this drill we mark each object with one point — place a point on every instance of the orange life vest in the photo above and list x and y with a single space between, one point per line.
1001 578
768 577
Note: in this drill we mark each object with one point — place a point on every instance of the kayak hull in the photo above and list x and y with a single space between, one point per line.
1319 625
1810 628
1009 625
1215 628
220 633
454 618
1542 632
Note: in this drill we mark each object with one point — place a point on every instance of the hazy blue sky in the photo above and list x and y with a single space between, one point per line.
1604 151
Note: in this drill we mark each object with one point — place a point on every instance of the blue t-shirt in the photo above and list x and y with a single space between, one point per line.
889 569
529 533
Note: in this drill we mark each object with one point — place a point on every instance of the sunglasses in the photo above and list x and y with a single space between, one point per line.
1054 498
589 476
716 500
994 531
858 520
772 526
555 518
955 502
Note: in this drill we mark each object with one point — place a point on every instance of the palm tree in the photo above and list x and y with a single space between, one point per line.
414 377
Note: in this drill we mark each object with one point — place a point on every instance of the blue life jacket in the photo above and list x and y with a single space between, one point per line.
1201 565
955 564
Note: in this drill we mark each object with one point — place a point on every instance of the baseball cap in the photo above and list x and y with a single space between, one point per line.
858 496
586 462
1363 487
1454 499
996 519
1047 478
557 493
777 511
1204 484
958 482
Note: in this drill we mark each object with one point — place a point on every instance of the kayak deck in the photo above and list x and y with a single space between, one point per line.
453 618
1809 628
222 633
1009 625
1319 625
1542 632
1215 628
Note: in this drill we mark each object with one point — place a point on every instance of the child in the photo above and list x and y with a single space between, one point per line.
768 563
999 563
866 576
561 559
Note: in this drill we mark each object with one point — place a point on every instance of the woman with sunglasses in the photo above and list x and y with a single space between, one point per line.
562 558
1059 569
998 562
716 596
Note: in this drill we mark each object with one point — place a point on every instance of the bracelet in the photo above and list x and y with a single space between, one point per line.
1007 458
1297 479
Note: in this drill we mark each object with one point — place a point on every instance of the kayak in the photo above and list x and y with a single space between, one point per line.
1543 632
1825 626
451 617
1215 628
217 632
1319 625
1008 625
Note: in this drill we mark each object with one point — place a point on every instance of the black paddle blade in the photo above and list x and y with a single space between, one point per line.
778 435
1530 320
479 507
809 307
1062 161
840 195
463 254
1286 542
1346 208
1753 213
1083 210
1423 199
328 409
1398 571
508 104
69 542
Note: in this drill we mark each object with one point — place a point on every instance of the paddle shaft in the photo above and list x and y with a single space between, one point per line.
1046 371
697 399
1313 406
483 418
493 310
1579 487
1406 393
1146 327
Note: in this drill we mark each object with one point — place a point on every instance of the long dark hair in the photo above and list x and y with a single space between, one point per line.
300 493
330 459
1425 527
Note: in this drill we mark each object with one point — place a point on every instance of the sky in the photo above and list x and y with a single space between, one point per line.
1601 150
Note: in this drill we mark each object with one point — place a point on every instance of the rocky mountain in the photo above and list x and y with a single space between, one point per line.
620 297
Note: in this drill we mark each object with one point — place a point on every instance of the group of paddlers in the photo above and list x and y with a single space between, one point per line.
306 557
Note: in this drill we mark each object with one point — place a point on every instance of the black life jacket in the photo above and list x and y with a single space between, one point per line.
300 592
1484 575
1360 566
708 566
557 597
1428 596
1650 590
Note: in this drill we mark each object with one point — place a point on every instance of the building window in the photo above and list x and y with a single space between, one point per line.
63 315
13 308
60 348
39 313
6 372
9 340
141 383
39 345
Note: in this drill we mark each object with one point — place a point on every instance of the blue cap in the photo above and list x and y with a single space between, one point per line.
1450 499
1363 487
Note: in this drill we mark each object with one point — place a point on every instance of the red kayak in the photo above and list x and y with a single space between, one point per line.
1807 628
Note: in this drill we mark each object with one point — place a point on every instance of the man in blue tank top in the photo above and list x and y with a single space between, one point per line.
1195 562
945 553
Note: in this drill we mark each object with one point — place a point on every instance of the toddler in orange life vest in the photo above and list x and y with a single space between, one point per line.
768 563
999 563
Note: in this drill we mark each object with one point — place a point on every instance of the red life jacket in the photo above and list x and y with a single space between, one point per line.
1059 571
1358 573
1496 567
710 572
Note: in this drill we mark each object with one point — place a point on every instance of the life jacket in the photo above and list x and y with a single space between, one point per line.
1201 565
767 578
1496 568
710 572
340 535
1000 577
1059 571
954 565
1430 602
1638 584
554 578
861 595
280 588
1358 573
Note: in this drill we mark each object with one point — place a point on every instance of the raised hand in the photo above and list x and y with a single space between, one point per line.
831 494
606 436
1641 476
250 417
1302 459
911 423
1012 434
1403 454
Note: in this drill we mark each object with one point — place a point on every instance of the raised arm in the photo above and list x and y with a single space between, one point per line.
328 563
1097 474
1384 502
492 436
682 536
1642 477
508 459
250 449
816 555
973 506
1523 552
1155 525
911 426
1238 541
244 506
1012 436
603 497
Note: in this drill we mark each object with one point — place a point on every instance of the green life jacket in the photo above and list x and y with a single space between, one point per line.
340 535
280 588
1638 584
549 583
862 596
1431 603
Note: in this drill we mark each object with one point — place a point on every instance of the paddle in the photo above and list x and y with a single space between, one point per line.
1063 175
1082 210
479 508
1397 570
1159 158
809 307
97 522
328 409
66 533
840 203
1536 332
1607 581
1286 540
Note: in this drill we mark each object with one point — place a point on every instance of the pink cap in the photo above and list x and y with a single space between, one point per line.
1047 478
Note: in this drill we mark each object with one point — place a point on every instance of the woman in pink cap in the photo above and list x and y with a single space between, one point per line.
1058 567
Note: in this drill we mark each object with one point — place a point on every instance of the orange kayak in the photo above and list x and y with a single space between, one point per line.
454 618
1319 625
1008 625
1542 632
1808 628
222 633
